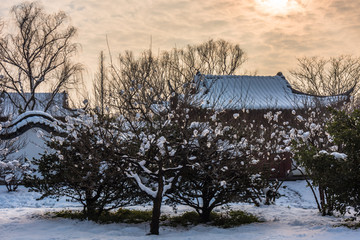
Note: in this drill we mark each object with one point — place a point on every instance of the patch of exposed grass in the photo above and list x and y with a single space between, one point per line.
233 219
352 223
70 214
120 216
186 219
225 220
126 216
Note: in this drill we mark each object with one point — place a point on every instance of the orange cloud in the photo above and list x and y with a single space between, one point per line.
272 41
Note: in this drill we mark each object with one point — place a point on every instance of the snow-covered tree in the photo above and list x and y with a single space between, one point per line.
155 97
217 170
84 166
232 156
154 126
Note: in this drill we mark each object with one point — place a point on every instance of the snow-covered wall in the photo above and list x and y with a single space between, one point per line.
29 120
33 144
29 131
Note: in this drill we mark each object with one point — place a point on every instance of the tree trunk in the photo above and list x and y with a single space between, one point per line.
206 209
91 208
156 212
205 215
91 212
322 201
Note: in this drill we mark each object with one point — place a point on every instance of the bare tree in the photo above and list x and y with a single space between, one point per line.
322 76
100 85
36 56
217 57
214 57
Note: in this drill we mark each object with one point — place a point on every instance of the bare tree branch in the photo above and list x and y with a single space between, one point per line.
331 76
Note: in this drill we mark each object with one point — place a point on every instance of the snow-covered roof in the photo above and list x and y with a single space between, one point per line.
255 92
58 107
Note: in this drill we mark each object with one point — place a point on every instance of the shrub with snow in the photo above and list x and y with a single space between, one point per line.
84 167
12 170
342 176
327 147
12 173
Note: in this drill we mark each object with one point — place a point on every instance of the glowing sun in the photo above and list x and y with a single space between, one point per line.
278 6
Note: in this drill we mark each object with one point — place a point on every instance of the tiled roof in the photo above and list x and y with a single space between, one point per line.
255 92
58 108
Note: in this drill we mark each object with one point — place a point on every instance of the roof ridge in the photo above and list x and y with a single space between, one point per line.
213 75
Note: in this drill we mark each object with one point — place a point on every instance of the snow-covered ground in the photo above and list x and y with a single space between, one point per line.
293 217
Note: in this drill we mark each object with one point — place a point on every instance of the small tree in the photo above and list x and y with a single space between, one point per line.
217 170
233 156
12 166
154 96
37 56
341 177
312 143
83 166
13 172
322 168
153 137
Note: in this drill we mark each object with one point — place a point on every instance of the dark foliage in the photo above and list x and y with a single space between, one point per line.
345 129
336 171
225 220
120 216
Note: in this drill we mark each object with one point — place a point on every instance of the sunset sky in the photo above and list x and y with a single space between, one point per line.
273 33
